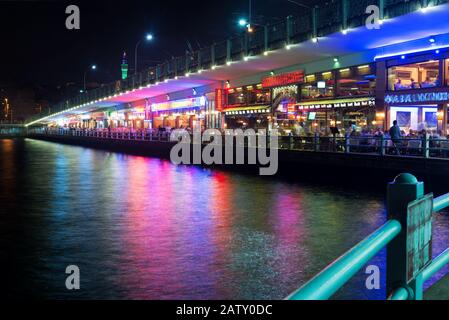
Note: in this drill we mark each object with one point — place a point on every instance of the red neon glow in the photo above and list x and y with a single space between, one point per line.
219 100
283 79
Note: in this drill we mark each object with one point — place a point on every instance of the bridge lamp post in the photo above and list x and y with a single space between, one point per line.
148 37
93 68
314 15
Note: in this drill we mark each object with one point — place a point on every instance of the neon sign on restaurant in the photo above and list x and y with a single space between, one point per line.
283 79
180 104
422 97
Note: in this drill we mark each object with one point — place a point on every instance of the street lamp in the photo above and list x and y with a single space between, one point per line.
93 68
300 4
243 22
313 9
148 37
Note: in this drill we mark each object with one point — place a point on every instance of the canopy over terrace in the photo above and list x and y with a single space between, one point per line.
401 33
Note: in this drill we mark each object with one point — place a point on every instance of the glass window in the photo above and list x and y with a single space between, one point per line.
356 81
318 86
258 95
236 97
249 95
414 76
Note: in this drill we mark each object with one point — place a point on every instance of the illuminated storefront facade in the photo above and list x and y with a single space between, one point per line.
284 92
247 107
183 113
340 100
417 91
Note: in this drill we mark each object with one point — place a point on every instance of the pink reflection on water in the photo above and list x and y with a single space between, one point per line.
289 227
168 240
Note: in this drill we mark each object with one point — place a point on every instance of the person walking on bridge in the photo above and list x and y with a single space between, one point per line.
395 134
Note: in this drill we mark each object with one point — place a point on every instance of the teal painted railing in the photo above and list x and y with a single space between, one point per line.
328 281
392 235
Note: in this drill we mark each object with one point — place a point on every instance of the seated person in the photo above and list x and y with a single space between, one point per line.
415 85
398 85
428 83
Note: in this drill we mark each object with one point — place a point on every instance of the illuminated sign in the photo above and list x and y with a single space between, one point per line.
283 79
219 100
341 103
418 97
180 104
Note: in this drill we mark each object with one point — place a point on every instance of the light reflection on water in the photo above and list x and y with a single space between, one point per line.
142 228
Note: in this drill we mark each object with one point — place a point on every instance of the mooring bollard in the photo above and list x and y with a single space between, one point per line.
404 189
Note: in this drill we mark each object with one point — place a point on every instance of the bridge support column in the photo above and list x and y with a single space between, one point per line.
400 193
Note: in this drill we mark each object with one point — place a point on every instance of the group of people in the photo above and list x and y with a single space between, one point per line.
398 136
428 83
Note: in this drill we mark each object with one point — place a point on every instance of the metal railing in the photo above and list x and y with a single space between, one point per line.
425 147
335 276
393 234
335 16
147 135
422 147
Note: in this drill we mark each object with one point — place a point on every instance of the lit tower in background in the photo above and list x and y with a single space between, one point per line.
124 66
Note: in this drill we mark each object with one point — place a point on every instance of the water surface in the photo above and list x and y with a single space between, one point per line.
142 228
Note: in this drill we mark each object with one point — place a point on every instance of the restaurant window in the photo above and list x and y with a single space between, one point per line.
414 76
318 86
249 95
356 81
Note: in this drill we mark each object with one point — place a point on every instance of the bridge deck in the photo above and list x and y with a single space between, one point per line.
439 291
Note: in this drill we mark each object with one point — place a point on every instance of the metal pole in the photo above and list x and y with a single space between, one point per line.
84 87
135 56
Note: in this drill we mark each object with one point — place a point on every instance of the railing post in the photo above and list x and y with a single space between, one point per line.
291 142
382 9
347 144
345 14
315 21
426 146
228 50
382 145
289 29
265 36
212 54
404 189
316 142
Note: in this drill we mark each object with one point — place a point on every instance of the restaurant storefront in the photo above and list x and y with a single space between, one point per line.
341 100
417 93
424 109
247 107
344 115
284 92
183 113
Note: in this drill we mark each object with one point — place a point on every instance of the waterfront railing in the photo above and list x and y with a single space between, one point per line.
408 238
413 147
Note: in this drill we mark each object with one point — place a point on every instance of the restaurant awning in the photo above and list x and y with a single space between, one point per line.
337 103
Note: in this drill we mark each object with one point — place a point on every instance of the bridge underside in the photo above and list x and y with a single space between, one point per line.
394 35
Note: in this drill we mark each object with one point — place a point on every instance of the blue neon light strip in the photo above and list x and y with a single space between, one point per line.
405 53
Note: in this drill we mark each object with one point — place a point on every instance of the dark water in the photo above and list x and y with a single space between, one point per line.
142 228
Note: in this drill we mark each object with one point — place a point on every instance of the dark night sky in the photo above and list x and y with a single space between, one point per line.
38 49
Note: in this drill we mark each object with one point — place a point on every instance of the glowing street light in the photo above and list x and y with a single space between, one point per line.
243 23
148 37
93 68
